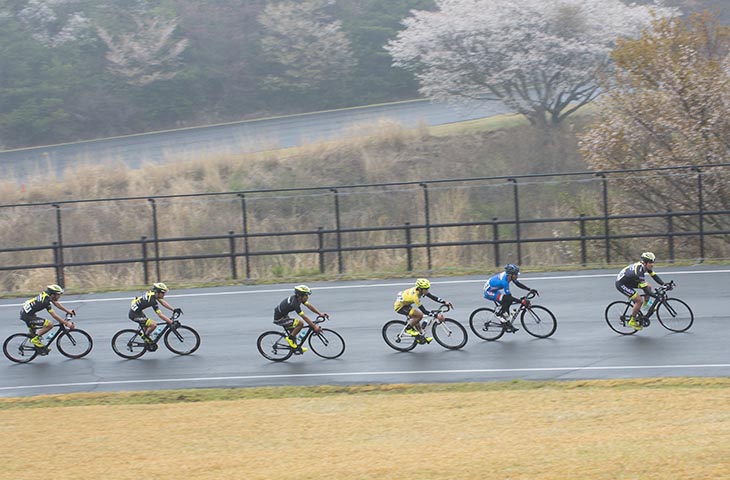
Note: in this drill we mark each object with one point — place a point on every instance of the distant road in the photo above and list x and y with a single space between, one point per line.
237 137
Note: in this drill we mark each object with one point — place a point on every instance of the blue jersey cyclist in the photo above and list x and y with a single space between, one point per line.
46 300
497 288
295 303
634 276
152 298
408 303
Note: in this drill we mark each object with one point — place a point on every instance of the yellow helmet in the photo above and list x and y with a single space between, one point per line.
423 283
160 287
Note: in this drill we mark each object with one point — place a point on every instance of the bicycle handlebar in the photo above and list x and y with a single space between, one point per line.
319 319
176 314
441 309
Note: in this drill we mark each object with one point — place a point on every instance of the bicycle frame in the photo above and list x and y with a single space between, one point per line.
660 298
431 318
143 335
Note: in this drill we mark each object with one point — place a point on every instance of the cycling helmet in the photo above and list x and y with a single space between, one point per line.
302 290
160 287
423 283
511 269
648 257
54 289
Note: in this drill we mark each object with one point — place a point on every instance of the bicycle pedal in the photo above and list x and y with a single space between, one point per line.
151 347
298 351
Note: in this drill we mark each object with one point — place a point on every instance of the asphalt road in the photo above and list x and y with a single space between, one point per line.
230 319
236 137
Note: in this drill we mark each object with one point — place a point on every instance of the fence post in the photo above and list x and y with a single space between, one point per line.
244 220
606 234
339 233
409 249
145 259
670 234
701 210
427 214
517 219
320 242
232 248
157 241
583 239
56 261
495 238
60 274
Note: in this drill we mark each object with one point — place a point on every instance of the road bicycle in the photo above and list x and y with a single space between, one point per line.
672 313
326 343
180 339
74 343
536 320
448 333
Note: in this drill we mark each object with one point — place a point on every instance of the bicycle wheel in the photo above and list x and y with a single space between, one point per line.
128 344
538 321
18 348
449 334
675 315
396 338
74 343
485 324
618 314
327 343
273 346
182 340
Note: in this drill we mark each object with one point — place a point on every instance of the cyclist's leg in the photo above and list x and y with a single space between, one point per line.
38 327
636 299
413 319
292 327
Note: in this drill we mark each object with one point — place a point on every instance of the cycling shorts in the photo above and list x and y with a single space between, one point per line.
34 321
628 291
407 311
286 322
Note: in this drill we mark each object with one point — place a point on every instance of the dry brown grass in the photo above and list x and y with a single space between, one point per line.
640 429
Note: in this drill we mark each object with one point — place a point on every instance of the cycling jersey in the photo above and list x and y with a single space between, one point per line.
288 305
36 304
500 282
409 298
633 276
141 303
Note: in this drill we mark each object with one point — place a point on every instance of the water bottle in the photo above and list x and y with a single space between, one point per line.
156 332
648 303
301 335
423 324
49 336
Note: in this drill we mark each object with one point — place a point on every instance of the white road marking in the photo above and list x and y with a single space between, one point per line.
374 285
366 374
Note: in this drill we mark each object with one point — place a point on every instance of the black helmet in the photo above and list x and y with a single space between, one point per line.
511 269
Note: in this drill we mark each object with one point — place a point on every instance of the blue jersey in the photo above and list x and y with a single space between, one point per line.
498 282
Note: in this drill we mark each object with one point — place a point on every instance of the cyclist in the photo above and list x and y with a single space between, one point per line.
632 277
46 300
152 298
408 303
293 326
497 290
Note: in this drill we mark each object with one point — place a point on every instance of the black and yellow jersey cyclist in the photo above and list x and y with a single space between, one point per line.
408 303
152 298
46 300
634 276
293 326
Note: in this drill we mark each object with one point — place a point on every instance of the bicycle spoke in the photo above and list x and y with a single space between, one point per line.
485 323
675 315
327 344
450 334
617 316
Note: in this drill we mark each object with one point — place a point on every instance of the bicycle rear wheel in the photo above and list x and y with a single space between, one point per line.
273 346
675 315
128 344
485 324
18 348
618 314
396 338
538 321
327 343
182 340
449 334
74 343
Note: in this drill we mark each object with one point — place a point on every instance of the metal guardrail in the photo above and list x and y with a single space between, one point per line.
331 240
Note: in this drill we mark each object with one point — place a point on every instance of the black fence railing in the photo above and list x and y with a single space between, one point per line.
594 236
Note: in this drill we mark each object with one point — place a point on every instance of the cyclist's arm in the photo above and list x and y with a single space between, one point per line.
311 324
314 309
437 299
59 319
64 309
521 285
162 315
656 278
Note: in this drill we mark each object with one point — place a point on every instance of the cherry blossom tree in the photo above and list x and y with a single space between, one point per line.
541 58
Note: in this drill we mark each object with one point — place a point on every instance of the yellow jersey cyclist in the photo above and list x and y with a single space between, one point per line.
408 303
46 300
634 276
152 298
293 326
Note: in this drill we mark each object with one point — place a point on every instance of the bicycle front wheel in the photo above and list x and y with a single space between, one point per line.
395 336
675 315
485 324
74 343
327 343
618 314
128 344
538 321
273 346
182 340
18 348
449 334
